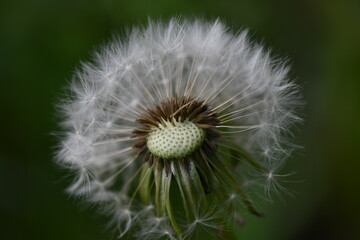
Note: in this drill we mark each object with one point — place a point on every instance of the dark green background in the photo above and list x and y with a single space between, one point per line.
42 41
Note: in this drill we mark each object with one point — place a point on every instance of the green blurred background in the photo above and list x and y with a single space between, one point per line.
42 41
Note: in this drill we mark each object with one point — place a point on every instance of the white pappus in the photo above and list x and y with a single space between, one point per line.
158 125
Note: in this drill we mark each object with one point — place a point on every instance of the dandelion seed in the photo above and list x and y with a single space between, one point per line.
157 126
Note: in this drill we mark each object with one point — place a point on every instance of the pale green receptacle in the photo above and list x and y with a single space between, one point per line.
175 140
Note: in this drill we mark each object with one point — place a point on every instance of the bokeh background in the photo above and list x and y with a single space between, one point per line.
43 41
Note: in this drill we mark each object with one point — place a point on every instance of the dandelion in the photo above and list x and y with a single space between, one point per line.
162 128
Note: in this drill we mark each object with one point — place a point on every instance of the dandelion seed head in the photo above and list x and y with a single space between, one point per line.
186 102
